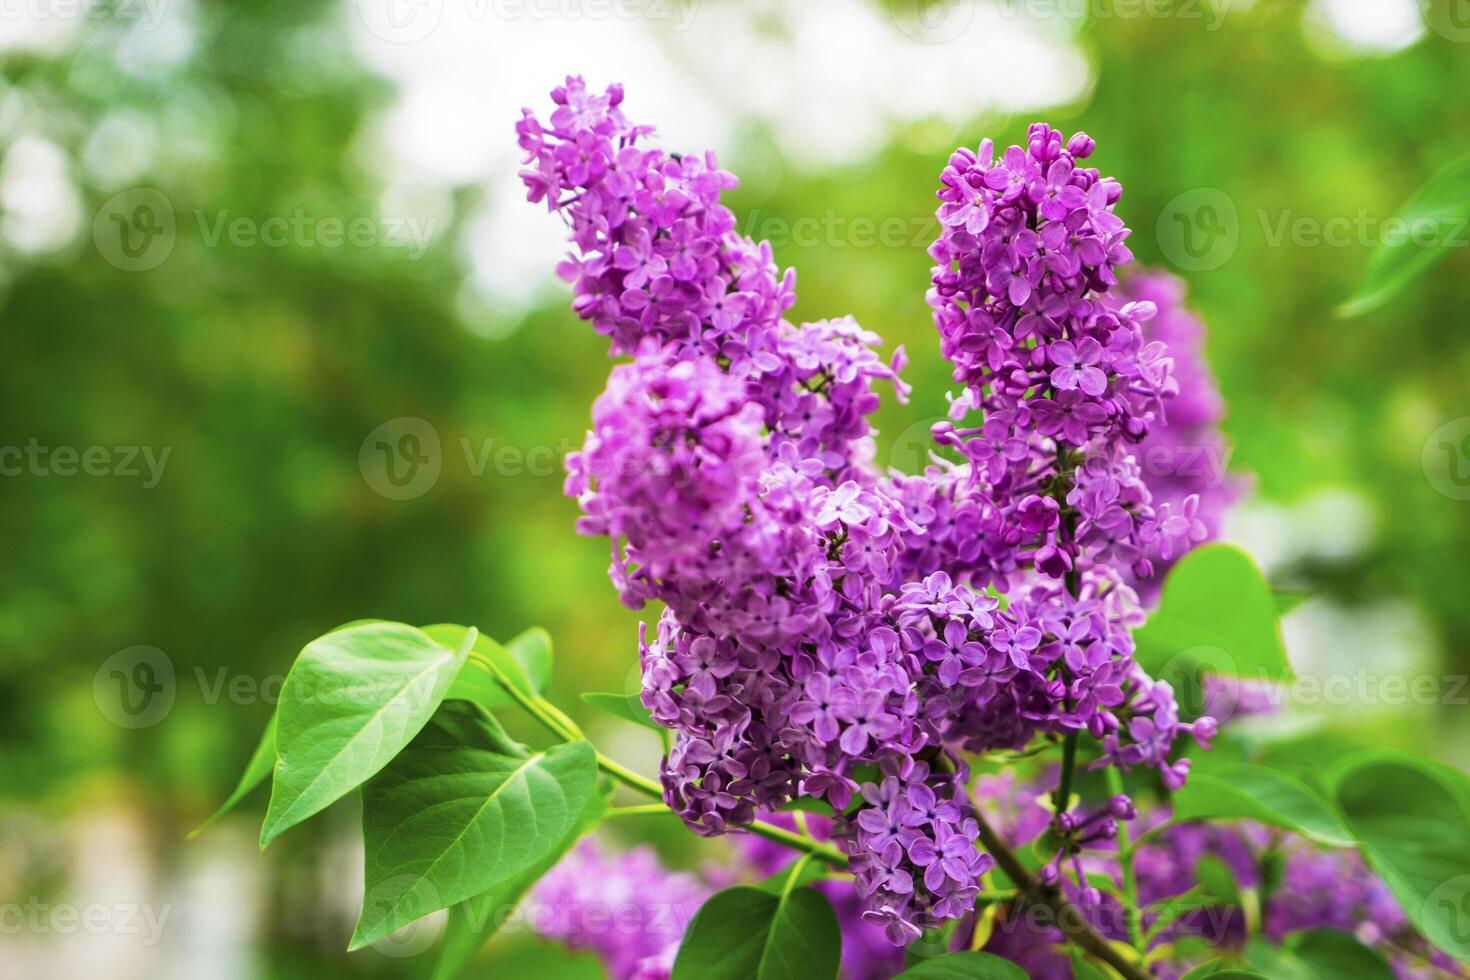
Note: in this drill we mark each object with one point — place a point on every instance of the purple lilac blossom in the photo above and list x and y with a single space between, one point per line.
827 629
627 908
1024 298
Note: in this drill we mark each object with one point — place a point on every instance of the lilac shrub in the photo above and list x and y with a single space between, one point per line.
829 630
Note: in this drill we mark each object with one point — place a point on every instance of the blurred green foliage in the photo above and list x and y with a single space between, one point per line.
264 369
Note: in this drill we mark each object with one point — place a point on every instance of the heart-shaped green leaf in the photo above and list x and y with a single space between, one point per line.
1433 221
472 922
1412 818
748 933
353 699
460 811
1217 613
1266 795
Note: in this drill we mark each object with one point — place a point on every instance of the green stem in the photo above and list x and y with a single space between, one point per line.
530 703
1062 913
567 732
795 875
1131 913
1063 798
629 778
642 809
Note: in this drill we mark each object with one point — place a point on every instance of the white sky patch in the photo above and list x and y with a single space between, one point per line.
1331 524
38 30
1353 28
120 149
42 210
829 78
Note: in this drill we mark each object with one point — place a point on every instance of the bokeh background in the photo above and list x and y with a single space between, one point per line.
245 246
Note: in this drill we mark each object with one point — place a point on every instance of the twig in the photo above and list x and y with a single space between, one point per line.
1131 911
1063 914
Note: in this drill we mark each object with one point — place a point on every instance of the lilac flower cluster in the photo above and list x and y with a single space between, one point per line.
1058 365
827 630
627 908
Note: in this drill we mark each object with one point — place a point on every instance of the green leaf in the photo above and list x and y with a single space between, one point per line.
352 701
964 966
1322 955
472 922
532 650
1262 794
350 624
1165 912
475 682
933 942
262 761
1210 969
746 933
460 811
1435 216
1412 817
1083 970
1217 882
1308 757
624 706
1287 601
1332 955
1217 613
807 871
